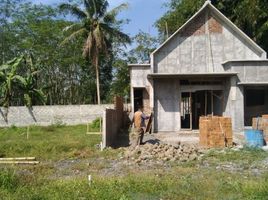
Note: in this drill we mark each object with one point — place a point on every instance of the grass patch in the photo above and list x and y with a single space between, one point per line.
245 156
48 143
175 184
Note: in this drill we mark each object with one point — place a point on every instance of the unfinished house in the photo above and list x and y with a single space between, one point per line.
207 67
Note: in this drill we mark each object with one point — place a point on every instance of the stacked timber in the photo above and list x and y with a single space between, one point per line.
261 123
215 132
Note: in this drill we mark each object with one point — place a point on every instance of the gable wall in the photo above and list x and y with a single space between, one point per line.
138 76
201 47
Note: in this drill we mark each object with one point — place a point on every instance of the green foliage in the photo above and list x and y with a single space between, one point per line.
64 75
145 45
121 82
10 80
96 124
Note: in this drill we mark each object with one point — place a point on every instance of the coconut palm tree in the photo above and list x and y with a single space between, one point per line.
98 27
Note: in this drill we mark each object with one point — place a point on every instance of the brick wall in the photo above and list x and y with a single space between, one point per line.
198 27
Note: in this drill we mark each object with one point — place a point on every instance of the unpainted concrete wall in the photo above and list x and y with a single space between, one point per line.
249 71
138 76
47 115
203 49
234 103
167 105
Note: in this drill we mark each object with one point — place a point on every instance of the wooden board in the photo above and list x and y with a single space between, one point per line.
149 124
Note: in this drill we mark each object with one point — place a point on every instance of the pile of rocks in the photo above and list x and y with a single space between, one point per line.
163 152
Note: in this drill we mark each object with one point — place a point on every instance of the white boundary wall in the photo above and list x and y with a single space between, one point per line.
48 115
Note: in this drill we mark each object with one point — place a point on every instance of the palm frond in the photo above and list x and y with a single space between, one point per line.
110 17
73 27
74 10
116 34
71 37
87 49
98 36
89 5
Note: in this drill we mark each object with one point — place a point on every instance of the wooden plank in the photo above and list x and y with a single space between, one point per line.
149 124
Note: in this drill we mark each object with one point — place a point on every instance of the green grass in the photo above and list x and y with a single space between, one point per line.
48 143
176 184
191 180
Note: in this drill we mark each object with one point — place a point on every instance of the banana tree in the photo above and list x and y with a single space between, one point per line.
28 85
8 72
9 78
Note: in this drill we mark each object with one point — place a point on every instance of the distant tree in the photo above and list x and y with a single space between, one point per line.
145 45
99 28
121 83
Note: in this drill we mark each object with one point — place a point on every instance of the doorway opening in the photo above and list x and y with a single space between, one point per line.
199 103
138 97
141 98
255 102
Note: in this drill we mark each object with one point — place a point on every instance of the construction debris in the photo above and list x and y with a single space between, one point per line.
162 152
215 132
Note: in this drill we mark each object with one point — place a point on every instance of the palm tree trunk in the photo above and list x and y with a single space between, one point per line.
97 78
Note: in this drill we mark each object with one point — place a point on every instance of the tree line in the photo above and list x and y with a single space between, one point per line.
74 53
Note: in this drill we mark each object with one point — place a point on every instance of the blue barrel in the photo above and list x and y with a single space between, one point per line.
254 138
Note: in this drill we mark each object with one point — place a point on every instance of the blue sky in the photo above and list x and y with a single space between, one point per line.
142 13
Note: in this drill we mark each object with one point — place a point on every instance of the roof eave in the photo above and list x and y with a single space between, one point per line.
139 65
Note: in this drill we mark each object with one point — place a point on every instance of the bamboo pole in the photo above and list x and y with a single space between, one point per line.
18 159
20 162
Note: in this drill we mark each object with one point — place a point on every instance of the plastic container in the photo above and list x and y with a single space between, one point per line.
254 138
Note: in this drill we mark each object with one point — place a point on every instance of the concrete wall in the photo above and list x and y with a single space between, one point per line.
167 105
249 71
47 115
202 47
138 76
234 103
